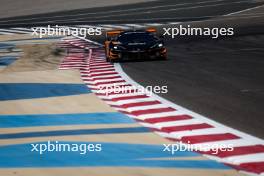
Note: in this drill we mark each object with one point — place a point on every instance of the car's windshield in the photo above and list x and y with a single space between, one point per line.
137 37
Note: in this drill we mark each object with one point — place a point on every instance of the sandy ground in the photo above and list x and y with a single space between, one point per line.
7 38
37 57
39 65
118 171
4 38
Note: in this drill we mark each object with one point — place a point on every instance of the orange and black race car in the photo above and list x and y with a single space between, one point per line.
121 44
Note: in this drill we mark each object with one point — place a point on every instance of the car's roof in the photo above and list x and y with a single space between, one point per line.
135 32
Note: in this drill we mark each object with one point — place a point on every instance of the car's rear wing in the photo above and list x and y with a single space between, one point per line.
112 34
152 30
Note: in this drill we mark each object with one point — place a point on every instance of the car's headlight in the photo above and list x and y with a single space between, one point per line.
160 45
118 47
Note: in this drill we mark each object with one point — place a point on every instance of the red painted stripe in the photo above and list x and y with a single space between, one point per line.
85 71
127 98
254 167
237 151
129 105
77 67
100 64
96 68
110 82
151 111
117 93
101 74
98 71
98 59
185 127
96 62
208 138
103 88
87 75
75 56
105 78
167 119
74 59
72 64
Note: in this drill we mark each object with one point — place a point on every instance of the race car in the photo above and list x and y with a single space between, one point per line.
121 44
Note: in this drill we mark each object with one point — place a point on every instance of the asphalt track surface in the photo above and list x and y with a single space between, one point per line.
12 8
221 79
156 11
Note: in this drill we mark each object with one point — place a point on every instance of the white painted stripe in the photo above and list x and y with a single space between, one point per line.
108 92
67 68
145 107
241 11
5 33
136 100
174 23
158 115
24 29
135 25
120 95
210 145
174 123
99 70
14 31
105 28
206 131
234 142
87 26
109 85
103 72
107 80
154 24
240 159
115 26
100 66
101 76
